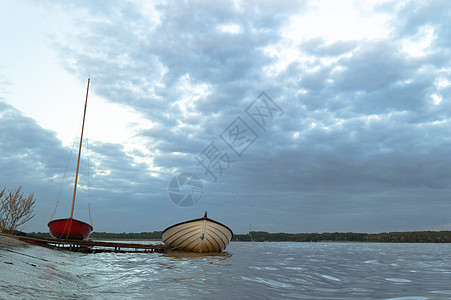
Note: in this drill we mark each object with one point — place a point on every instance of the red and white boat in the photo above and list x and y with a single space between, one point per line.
71 228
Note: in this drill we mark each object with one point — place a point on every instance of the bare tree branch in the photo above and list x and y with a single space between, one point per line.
15 210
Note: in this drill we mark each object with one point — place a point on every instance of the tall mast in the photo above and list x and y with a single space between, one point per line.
79 151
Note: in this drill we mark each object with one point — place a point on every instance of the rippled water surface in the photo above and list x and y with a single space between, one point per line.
246 271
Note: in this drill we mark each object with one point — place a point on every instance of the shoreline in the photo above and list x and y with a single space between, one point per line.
8 241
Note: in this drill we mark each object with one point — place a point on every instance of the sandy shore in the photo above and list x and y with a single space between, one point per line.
8 242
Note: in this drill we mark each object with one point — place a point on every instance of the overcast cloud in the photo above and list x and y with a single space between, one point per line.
361 142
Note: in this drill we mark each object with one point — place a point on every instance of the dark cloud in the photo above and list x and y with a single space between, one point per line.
361 145
24 142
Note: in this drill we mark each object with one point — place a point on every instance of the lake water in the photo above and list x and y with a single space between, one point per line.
246 271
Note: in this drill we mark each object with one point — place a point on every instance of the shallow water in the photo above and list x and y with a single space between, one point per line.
246 271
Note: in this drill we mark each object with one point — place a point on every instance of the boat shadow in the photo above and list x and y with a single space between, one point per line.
182 255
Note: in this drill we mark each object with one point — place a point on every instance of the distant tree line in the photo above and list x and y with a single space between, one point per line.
384 237
155 235
262 236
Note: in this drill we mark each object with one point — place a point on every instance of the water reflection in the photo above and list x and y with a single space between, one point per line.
198 256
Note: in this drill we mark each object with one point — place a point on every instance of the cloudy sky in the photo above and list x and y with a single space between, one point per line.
306 116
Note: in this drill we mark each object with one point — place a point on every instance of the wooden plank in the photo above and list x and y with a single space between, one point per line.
89 245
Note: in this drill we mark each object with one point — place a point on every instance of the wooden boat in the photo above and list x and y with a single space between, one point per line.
198 235
71 228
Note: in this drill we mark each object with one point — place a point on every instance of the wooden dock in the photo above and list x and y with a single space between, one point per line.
90 246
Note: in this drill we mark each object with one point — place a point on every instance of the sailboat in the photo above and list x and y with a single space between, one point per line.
71 228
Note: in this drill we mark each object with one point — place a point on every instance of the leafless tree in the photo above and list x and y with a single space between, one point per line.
15 209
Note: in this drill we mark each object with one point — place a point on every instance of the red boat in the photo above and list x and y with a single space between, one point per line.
71 228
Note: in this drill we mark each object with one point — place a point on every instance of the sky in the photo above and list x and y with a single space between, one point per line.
278 116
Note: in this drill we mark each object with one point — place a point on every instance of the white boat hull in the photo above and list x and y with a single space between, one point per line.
198 235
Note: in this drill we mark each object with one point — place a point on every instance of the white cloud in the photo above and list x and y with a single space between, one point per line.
420 43
230 28
336 21
436 99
